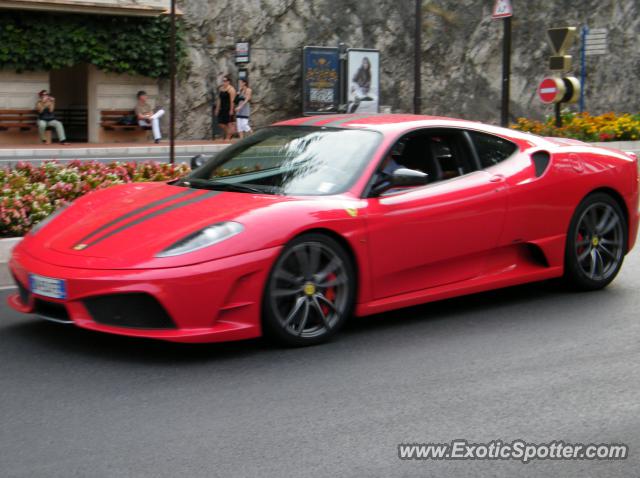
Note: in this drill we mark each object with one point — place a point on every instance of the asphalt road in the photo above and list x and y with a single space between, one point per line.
531 362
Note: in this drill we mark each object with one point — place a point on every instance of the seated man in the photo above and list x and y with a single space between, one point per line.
389 165
145 115
45 106
391 161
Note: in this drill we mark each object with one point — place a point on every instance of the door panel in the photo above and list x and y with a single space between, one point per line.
434 235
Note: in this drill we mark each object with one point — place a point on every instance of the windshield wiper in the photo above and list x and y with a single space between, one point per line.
207 184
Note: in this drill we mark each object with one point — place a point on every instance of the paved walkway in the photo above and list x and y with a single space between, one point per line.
10 154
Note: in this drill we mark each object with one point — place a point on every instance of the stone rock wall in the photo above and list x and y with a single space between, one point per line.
461 53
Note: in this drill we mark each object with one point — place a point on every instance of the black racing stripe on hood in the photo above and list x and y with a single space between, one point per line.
153 214
313 121
135 212
341 121
336 120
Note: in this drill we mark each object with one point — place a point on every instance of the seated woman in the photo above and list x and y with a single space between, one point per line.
45 106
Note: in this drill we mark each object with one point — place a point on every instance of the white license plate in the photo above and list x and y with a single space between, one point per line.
48 287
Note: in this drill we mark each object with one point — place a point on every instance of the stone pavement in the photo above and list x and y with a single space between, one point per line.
10 154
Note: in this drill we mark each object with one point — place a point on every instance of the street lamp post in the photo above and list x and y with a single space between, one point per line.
172 87
506 72
417 59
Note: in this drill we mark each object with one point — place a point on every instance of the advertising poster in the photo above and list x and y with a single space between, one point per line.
363 81
320 85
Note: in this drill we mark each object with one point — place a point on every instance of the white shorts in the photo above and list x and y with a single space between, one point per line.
242 125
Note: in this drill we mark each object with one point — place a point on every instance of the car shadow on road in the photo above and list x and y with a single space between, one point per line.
52 338
483 303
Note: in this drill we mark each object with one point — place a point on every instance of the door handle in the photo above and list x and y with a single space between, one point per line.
496 178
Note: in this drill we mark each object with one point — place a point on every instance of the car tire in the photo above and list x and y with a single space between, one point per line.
310 291
596 243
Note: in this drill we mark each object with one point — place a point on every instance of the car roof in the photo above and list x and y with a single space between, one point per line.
397 123
364 120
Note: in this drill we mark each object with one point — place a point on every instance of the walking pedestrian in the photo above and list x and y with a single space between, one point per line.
224 105
243 110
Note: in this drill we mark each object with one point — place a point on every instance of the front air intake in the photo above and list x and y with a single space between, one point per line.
135 310
23 292
51 311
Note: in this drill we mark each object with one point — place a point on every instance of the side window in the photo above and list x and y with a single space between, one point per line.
443 154
491 149
448 156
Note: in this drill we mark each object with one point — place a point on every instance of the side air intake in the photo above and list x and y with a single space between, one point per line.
541 162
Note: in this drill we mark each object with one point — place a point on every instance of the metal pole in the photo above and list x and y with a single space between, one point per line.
343 81
583 65
558 115
506 72
172 80
417 60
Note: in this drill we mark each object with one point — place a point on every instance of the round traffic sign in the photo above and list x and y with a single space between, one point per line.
551 90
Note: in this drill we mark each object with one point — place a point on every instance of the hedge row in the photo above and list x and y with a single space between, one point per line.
34 41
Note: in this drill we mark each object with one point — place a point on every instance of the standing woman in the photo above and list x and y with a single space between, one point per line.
224 105
243 110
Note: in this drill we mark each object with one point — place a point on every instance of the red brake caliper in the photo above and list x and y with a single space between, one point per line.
581 248
330 294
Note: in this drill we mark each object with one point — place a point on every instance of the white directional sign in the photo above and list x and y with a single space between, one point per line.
502 9
595 42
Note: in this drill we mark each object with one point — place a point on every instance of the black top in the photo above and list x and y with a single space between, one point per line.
46 115
225 106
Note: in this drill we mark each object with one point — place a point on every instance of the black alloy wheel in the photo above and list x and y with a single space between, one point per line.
596 243
310 291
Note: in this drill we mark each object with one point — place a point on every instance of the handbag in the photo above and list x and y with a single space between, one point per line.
127 120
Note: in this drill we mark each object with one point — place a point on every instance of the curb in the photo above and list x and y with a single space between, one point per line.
55 153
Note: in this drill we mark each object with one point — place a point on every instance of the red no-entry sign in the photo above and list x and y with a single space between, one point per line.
551 90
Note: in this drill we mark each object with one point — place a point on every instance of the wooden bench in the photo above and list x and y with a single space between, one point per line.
21 120
112 132
15 122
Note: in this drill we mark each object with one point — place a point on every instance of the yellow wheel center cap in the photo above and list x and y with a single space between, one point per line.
595 241
309 288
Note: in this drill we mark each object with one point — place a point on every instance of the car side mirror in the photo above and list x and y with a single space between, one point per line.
400 178
198 160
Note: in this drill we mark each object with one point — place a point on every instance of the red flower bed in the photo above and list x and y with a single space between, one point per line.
30 193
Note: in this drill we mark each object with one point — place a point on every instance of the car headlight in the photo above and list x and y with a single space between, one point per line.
47 220
204 238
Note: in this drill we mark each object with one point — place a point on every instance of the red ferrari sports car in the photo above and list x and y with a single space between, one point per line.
296 227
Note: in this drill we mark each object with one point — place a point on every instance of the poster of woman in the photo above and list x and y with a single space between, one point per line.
364 80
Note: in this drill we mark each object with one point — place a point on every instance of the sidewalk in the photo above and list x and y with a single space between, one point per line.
115 151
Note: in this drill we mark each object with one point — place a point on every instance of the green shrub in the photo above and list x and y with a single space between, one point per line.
33 41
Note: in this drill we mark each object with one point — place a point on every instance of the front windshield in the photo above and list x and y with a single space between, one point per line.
290 160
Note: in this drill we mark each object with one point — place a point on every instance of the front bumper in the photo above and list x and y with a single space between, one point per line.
213 301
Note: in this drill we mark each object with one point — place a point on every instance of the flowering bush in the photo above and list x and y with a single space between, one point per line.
583 126
30 193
